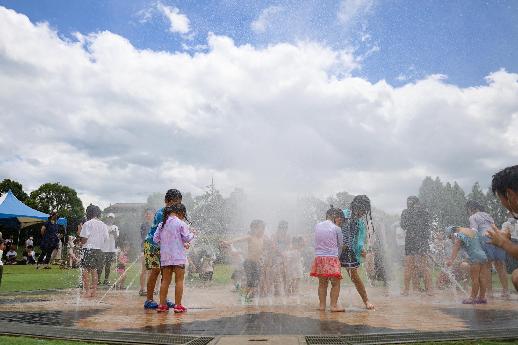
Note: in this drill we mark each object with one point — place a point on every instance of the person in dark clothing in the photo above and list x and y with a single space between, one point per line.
416 222
49 240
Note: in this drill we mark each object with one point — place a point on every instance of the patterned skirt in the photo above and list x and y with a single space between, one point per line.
326 267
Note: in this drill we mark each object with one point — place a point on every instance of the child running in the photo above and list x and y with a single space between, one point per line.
326 266
122 261
354 231
173 235
468 239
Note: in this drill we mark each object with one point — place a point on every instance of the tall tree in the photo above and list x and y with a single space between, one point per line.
477 194
495 209
15 187
63 199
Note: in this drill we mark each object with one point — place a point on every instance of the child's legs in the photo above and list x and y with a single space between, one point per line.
179 273
502 275
167 273
143 273
409 271
335 292
475 270
355 277
514 279
485 276
95 280
1 273
424 267
322 292
86 280
151 282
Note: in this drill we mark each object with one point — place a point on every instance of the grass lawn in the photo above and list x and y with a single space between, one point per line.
35 341
28 278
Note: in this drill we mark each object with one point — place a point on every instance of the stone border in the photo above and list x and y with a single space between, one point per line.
108 337
414 337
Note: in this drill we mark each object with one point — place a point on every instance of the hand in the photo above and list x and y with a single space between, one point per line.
187 245
496 237
449 263
364 253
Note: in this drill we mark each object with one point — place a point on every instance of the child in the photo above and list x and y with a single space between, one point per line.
481 221
294 265
93 234
172 235
28 256
354 231
468 239
326 266
207 267
122 261
2 247
251 265
11 255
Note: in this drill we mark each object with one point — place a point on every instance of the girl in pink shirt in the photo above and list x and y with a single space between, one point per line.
173 236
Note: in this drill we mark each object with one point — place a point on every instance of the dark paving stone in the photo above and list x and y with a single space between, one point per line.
8 301
48 318
485 318
265 324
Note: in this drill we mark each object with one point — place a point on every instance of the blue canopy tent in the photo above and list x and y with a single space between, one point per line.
14 212
12 208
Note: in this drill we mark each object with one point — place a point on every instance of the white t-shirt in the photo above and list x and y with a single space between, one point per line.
29 242
109 244
1 254
11 253
96 232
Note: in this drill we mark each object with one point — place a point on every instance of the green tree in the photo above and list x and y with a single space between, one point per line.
495 209
155 201
432 196
15 187
63 199
477 195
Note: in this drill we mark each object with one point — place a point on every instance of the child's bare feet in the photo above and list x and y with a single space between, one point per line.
405 293
337 309
322 308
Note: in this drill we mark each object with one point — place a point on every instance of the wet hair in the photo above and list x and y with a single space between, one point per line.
505 179
255 225
362 203
473 205
176 209
333 213
93 211
173 195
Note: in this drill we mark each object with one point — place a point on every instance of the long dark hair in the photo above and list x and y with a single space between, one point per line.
176 209
361 204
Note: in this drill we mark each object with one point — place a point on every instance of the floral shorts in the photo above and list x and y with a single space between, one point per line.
326 267
151 256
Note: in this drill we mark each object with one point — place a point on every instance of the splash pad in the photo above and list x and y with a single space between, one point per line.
218 315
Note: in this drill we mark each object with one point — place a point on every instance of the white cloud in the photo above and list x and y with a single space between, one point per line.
267 15
179 22
117 123
351 10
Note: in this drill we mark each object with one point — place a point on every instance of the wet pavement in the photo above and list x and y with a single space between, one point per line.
217 311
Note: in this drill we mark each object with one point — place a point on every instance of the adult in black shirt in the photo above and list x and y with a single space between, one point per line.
416 222
49 240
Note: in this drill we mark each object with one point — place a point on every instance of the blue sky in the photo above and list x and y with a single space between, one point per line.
465 40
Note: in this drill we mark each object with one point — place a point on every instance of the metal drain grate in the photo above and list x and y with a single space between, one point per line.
399 338
109 337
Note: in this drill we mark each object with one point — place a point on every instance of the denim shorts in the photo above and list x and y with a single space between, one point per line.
493 253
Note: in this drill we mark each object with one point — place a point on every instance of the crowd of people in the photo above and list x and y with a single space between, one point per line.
274 265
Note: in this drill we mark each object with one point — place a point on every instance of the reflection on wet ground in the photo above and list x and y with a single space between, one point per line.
218 311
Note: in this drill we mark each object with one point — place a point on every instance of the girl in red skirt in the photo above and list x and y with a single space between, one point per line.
326 266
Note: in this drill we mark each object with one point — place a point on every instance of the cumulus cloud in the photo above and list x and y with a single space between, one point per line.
351 10
265 18
178 22
117 123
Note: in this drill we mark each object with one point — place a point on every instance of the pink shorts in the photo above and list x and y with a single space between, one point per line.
326 267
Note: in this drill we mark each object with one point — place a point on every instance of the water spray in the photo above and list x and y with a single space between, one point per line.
118 279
